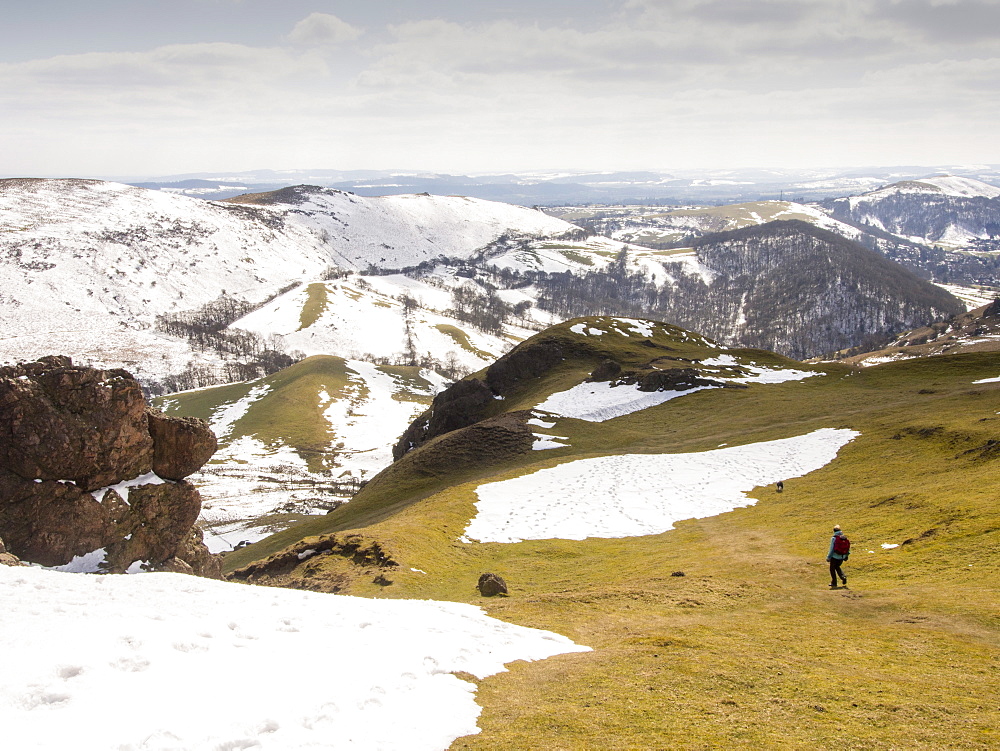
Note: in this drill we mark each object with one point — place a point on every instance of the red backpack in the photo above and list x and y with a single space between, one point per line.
841 545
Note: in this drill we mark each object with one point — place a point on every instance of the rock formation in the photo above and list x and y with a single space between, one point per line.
87 466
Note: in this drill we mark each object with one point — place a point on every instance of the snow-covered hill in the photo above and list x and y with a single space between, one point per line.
948 185
953 212
88 265
663 225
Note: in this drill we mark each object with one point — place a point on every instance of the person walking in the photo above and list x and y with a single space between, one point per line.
840 550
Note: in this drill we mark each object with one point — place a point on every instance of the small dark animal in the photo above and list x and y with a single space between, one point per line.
780 486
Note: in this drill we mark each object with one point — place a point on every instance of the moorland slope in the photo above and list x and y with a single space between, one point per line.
718 631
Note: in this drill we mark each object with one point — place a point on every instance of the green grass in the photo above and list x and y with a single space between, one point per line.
575 255
462 340
315 305
749 649
203 402
290 412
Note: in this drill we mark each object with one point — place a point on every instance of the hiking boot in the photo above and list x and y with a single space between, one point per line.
845 581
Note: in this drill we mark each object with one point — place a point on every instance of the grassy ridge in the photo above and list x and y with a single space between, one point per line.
315 305
290 413
749 648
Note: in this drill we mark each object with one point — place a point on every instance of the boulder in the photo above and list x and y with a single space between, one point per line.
63 422
491 585
50 522
181 445
158 520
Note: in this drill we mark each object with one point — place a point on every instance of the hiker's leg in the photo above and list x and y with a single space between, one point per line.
835 570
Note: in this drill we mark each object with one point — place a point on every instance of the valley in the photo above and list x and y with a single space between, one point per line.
595 404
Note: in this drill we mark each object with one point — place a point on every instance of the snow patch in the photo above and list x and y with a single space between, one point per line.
122 488
642 494
97 660
597 402
543 442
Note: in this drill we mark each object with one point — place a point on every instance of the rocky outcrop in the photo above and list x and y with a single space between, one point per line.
608 370
458 406
467 402
675 379
325 563
87 468
523 363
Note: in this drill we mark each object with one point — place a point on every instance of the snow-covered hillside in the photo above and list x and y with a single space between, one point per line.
88 265
948 185
947 211
664 225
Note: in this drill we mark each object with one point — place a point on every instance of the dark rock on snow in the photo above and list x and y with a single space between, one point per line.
67 431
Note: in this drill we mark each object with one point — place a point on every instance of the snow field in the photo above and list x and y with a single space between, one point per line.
642 494
166 661
597 402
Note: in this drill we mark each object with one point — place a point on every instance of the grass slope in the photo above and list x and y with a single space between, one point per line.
749 648
291 412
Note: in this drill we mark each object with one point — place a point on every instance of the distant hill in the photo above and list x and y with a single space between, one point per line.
977 330
90 266
188 293
947 211
787 286
568 187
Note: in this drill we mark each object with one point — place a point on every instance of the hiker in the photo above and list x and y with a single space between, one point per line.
840 549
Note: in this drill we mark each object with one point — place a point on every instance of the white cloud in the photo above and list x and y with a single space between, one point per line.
322 29
653 84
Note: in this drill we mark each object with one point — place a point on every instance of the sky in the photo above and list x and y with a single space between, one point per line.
146 87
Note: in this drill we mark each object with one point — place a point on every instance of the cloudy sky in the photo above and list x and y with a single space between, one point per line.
150 87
